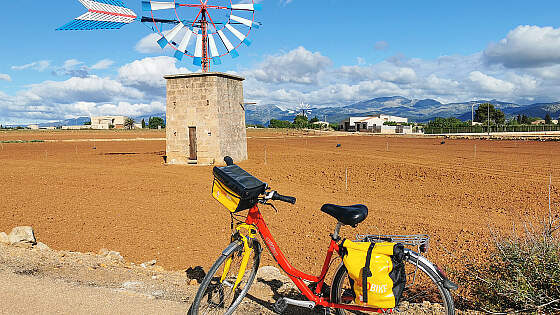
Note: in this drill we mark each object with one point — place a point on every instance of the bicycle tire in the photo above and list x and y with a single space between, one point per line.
211 285
444 297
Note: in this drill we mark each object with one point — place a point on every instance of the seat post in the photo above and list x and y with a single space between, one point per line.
334 236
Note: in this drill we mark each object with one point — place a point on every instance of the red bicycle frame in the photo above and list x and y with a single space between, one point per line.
256 219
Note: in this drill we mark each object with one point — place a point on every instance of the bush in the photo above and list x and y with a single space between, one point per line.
522 273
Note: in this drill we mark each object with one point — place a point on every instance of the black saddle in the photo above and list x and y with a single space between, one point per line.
349 215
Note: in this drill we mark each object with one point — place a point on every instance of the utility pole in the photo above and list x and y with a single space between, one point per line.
488 105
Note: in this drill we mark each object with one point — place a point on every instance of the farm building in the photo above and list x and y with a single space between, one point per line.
205 118
105 122
374 124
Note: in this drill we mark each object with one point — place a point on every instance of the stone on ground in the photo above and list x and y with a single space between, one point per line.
42 246
4 238
22 234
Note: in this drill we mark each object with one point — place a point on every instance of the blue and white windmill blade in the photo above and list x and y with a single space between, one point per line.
239 35
243 21
167 38
157 5
197 61
102 14
228 44
182 49
247 7
214 50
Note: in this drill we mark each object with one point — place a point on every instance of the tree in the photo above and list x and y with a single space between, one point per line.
156 122
87 123
547 119
450 122
314 120
301 122
497 117
525 120
519 119
143 123
129 123
274 123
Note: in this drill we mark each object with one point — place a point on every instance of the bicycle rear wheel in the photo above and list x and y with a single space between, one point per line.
218 297
413 301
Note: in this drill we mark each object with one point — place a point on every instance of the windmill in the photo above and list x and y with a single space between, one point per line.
205 31
303 110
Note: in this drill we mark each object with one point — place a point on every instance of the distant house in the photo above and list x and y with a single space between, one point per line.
105 122
374 124
542 122
33 127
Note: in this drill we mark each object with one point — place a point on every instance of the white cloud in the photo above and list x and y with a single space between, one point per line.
149 72
37 65
526 46
72 68
490 84
5 77
103 64
148 44
297 66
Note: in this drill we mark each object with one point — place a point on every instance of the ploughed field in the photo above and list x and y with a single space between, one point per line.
120 196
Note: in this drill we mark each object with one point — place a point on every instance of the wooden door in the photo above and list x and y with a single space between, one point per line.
192 143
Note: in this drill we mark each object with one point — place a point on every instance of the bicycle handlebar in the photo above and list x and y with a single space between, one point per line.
288 199
275 195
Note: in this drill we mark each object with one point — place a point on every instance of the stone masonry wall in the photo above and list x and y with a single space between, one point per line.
205 101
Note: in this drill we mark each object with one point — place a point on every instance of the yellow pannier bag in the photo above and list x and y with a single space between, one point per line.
225 196
376 272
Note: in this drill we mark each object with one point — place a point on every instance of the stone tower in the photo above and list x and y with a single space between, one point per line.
205 118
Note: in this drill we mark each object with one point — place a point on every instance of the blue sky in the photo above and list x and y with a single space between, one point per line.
326 53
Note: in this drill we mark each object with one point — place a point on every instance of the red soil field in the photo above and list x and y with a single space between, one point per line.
120 196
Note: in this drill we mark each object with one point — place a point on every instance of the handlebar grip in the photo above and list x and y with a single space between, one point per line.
287 199
228 160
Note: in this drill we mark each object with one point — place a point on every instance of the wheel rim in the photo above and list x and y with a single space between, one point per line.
219 297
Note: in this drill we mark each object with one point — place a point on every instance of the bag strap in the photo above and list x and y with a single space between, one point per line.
366 273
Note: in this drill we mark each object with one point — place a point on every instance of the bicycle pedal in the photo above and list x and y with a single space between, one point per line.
280 306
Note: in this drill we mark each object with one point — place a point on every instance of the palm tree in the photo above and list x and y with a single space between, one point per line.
129 123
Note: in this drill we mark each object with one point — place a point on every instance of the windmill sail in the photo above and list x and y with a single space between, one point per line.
102 14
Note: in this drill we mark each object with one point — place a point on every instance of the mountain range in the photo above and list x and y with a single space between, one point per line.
415 110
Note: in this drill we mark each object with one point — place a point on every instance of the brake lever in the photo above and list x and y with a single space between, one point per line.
273 207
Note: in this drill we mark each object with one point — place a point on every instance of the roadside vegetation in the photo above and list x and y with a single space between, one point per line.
520 273
487 118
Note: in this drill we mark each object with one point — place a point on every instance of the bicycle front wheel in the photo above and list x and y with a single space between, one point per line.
426 288
217 296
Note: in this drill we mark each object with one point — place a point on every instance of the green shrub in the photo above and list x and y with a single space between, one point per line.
521 273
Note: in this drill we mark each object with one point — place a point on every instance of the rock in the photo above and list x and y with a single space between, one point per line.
132 285
148 263
42 246
113 255
158 294
22 234
4 238
197 273
270 273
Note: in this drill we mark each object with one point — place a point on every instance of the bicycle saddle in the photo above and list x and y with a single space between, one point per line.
349 215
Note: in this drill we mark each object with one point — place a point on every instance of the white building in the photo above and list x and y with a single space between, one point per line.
373 124
105 122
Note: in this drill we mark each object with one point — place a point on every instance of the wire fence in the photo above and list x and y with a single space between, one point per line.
484 129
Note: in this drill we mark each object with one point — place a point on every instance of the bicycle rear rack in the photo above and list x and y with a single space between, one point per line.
420 241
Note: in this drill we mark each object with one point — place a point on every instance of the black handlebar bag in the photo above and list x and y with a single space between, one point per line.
236 189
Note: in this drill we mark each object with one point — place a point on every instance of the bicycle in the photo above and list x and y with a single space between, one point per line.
223 289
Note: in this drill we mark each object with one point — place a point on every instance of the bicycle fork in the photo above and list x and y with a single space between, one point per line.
248 238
